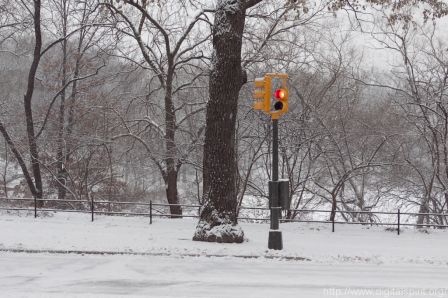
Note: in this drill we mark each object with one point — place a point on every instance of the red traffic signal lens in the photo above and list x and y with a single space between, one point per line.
280 94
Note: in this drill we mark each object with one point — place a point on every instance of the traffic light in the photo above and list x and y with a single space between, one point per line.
262 91
281 101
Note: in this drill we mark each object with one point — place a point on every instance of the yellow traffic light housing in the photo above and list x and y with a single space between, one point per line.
263 92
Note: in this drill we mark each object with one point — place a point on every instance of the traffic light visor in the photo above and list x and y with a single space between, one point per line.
260 83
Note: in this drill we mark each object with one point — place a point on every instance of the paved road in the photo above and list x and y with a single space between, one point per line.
50 275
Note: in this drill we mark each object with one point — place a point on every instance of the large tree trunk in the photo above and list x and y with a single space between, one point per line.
60 155
424 208
5 171
171 149
218 220
171 193
35 186
27 100
333 207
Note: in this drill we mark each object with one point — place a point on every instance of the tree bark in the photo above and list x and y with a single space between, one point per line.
172 194
333 207
5 171
20 159
27 100
171 148
218 220
424 204
60 160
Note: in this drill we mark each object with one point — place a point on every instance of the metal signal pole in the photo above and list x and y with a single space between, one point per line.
278 189
275 235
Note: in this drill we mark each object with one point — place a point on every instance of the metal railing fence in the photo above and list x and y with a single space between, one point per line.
152 210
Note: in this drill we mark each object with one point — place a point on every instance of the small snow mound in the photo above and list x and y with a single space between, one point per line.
223 233
218 227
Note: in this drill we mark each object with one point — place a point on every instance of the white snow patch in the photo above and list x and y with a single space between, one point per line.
365 261
174 236
224 7
226 229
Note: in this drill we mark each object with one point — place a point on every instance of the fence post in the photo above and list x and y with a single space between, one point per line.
35 207
92 208
150 212
398 214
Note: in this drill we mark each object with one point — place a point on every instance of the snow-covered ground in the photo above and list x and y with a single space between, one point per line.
160 260
137 276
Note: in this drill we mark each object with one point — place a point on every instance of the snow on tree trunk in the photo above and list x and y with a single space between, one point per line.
218 222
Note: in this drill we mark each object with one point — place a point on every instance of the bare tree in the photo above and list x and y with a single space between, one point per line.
32 177
419 89
167 55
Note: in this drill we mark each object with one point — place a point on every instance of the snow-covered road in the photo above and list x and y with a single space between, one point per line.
160 260
45 275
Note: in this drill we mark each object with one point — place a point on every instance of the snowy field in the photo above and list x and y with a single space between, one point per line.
58 256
